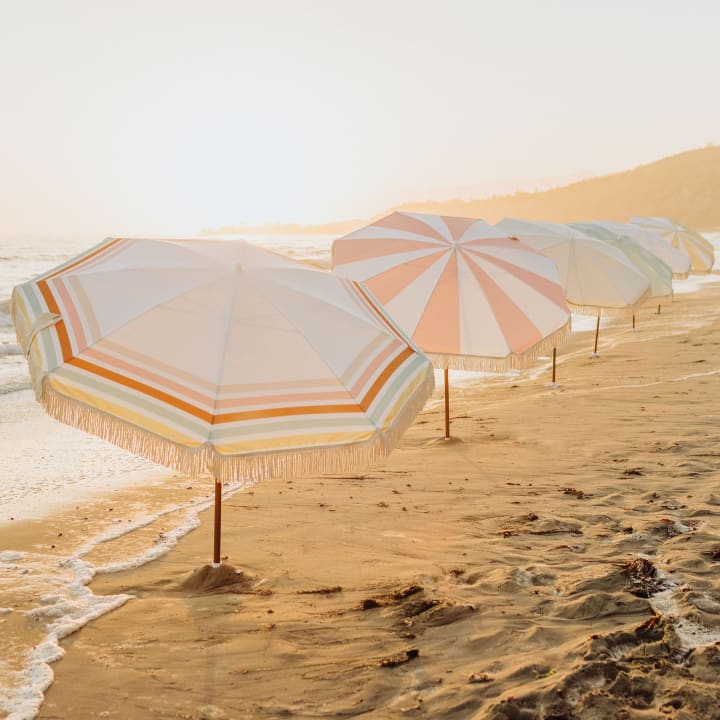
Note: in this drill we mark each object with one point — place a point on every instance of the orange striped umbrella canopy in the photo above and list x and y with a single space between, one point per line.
219 357
468 295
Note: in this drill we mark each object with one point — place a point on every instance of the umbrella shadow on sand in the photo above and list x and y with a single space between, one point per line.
195 586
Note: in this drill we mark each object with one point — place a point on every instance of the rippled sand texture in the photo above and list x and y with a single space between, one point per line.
513 572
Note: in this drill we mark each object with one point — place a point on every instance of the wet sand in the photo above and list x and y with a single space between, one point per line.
558 558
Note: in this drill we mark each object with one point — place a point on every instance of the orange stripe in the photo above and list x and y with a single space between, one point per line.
85 258
141 387
284 412
386 373
379 312
250 414
59 326
42 285
363 405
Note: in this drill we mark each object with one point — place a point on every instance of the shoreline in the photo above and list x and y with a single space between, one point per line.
428 518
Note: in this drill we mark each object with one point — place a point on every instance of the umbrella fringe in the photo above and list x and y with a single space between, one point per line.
610 311
247 469
514 361
251 468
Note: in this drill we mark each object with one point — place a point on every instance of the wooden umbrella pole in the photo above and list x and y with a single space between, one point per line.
658 310
633 321
597 331
218 519
554 362
447 406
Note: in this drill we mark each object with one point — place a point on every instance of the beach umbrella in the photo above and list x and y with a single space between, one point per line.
678 260
699 249
219 357
597 278
470 297
659 274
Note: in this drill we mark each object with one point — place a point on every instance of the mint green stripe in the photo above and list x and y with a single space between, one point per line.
404 377
134 401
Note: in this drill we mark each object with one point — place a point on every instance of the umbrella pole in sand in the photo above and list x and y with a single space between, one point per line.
218 519
658 312
447 406
597 332
554 363
633 321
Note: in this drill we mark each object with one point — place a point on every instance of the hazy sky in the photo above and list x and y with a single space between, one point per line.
154 116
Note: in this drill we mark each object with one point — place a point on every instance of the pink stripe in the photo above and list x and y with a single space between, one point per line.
97 256
551 290
376 363
458 225
308 398
520 334
70 315
353 250
401 221
499 242
182 391
388 284
439 327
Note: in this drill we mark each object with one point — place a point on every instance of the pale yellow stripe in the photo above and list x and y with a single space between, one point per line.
278 386
38 360
398 406
292 441
123 413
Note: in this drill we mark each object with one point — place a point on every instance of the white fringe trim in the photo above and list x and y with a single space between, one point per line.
514 361
610 311
245 469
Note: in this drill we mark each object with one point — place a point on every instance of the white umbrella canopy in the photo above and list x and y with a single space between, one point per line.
469 296
698 248
659 274
678 260
219 357
596 277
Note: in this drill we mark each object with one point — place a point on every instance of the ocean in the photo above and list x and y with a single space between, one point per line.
50 470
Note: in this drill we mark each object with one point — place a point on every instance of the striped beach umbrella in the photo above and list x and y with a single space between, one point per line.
597 278
678 260
659 274
469 296
698 248
219 357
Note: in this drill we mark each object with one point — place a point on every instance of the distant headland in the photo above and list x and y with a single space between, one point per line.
685 187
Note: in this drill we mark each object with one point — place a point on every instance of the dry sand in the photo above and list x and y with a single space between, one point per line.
557 559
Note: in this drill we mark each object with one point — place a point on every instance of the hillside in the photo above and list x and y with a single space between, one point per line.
685 187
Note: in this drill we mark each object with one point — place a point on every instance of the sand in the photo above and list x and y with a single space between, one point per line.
558 558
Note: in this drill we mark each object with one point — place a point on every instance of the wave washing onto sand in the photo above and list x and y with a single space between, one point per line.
50 592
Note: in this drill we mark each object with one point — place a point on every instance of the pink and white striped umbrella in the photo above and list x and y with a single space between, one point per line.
469 296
